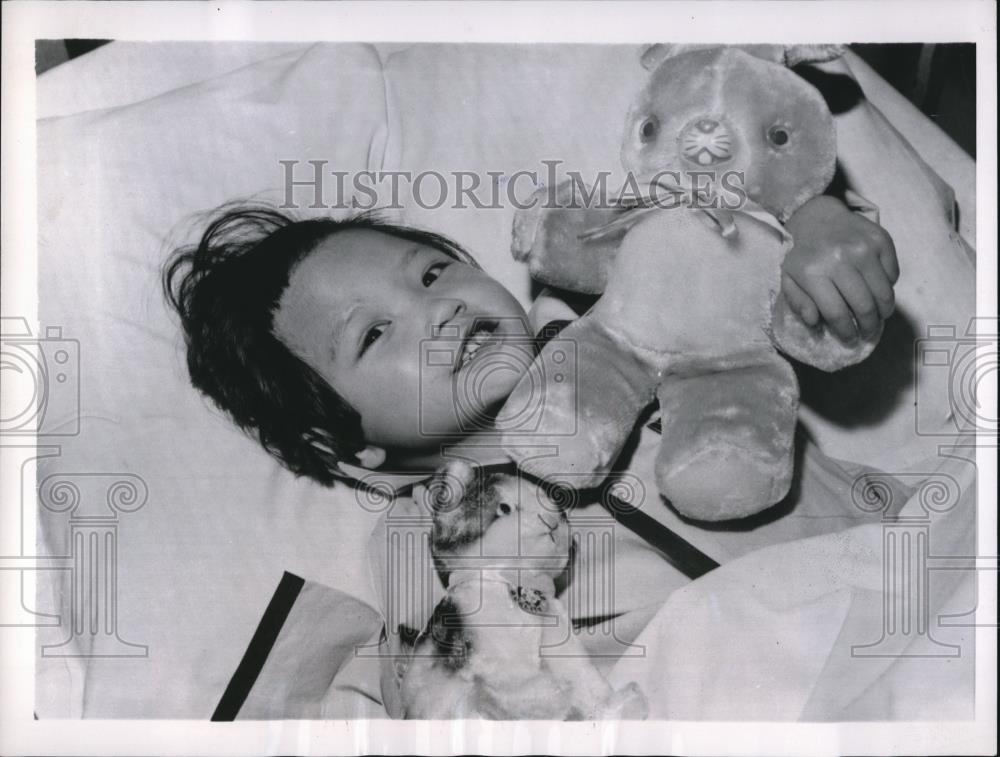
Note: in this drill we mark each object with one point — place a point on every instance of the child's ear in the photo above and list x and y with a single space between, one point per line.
422 496
371 457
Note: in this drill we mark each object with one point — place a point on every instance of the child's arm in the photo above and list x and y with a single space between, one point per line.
841 268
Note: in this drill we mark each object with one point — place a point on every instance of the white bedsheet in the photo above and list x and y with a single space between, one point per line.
786 632
190 127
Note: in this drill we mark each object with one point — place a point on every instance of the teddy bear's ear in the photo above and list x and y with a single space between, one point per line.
790 55
654 55
796 54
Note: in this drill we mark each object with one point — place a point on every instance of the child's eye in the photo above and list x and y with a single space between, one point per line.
371 336
431 274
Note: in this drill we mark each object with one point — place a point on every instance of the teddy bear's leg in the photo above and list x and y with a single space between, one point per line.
570 415
547 237
726 450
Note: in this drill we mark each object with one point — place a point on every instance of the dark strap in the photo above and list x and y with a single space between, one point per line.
677 550
549 330
260 647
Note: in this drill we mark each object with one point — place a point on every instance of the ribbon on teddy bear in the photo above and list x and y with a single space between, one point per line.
648 201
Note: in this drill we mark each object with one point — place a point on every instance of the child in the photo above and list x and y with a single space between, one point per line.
307 333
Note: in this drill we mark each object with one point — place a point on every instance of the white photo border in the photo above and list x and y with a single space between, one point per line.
24 22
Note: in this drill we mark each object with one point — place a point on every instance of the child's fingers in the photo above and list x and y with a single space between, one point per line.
881 289
887 254
854 289
799 301
834 310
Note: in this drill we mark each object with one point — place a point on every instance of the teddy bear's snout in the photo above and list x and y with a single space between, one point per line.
706 141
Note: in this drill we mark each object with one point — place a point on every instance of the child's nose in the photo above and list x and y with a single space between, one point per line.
442 311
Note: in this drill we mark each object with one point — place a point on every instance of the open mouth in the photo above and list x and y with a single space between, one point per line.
483 332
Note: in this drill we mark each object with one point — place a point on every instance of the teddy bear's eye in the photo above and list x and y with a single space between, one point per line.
778 136
503 509
649 128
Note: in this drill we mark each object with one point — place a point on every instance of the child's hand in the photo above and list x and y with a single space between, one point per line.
840 269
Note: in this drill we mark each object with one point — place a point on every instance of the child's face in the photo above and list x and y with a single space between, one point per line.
367 310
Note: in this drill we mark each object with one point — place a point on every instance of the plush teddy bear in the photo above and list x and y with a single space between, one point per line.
499 645
721 147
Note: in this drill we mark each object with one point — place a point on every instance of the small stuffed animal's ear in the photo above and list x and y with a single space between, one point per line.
796 54
447 487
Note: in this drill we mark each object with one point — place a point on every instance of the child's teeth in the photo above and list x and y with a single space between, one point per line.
470 350
476 341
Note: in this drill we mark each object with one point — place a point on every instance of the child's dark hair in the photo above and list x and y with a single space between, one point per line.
226 289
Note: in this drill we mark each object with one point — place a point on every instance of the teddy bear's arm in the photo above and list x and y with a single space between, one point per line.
572 412
815 345
547 236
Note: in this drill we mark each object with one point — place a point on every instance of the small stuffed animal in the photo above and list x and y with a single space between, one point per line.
500 544
691 312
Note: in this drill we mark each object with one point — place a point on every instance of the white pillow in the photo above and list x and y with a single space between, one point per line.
198 562
505 108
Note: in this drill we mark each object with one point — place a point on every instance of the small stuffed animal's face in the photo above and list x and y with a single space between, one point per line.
722 112
500 517
480 655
